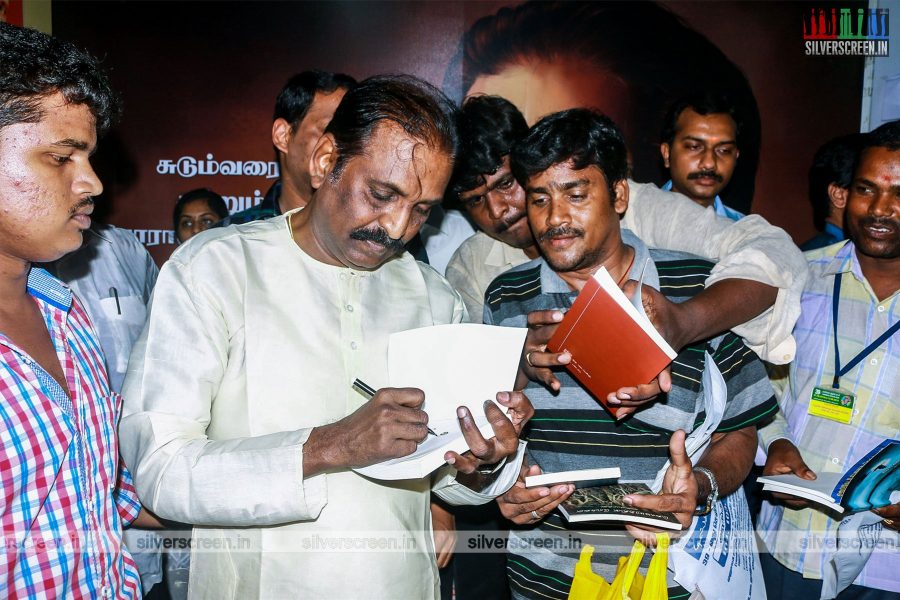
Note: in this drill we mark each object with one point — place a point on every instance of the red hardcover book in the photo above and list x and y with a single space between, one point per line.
611 340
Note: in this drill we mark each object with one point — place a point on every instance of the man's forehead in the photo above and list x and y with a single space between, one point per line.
489 179
689 121
63 123
407 162
881 159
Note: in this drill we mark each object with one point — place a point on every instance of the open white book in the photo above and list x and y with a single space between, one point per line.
818 490
426 358
872 482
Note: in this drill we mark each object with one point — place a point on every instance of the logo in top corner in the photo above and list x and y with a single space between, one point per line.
842 31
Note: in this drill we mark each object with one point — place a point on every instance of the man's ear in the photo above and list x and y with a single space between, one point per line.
281 135
322 160
620 204
664 150
837 196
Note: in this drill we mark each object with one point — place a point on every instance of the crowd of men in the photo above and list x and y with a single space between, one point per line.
397 209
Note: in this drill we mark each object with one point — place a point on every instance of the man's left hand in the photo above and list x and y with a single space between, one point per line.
891 516
678 495
505 442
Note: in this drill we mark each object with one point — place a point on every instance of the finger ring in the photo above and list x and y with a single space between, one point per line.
535 516
528 360
888 522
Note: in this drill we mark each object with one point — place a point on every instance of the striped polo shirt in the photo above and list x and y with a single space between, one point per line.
570 430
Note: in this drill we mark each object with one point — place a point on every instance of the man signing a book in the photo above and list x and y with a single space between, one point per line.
240 417
573 168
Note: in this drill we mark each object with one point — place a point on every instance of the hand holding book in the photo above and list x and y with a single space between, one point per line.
783 458
678 495
525 506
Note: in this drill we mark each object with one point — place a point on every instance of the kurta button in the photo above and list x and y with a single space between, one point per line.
349 308
353 345
880 309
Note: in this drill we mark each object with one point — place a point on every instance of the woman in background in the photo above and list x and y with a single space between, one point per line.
196 211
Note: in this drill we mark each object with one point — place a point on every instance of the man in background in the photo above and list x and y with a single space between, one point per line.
303 109
829 180
700 149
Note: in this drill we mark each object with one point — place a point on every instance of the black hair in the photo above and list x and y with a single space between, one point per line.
422 110
214 200
885 136
583 136
298 93
703 103
651 49
488 128
832 163
36 65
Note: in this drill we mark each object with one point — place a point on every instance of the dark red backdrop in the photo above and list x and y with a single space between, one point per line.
200 78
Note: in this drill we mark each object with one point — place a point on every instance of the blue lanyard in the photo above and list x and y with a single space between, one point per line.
838 371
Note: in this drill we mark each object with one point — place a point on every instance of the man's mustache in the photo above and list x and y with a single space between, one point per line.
706 174
379 236
504 225
559 232
86 202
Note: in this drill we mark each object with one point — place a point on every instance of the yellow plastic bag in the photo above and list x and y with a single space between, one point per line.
628 583
586 585
655 587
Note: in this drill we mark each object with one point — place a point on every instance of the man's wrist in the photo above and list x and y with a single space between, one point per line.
707 490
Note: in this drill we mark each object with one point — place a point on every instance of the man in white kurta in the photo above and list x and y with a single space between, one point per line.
251 347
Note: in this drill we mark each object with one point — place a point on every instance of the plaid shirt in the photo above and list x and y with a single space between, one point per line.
803 540
65 492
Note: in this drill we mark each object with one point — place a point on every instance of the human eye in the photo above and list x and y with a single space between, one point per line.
423 209
381 195
538 200
472 201
207 222
505 183
862 188
186 223
725 151
61 159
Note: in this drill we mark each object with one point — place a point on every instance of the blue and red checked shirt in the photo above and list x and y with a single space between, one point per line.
65 492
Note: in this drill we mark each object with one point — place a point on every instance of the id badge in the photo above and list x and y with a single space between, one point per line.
833 404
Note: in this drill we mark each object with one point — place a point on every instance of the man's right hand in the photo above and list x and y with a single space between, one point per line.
536 363
527 506
390 425
783 458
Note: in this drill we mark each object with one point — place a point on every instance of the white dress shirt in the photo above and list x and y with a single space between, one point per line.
746 249
250 344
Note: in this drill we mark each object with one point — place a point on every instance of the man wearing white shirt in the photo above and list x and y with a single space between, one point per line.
240 417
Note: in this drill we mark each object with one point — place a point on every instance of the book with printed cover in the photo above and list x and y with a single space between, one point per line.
868 484
606 503
612 342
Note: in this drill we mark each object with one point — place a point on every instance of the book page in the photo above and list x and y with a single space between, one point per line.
634 308
456 365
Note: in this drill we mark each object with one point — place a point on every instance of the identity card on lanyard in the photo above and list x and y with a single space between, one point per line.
834 402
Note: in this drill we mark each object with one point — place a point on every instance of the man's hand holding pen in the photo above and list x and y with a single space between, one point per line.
392 424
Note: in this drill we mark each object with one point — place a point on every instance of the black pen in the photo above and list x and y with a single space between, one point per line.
368 391
115 294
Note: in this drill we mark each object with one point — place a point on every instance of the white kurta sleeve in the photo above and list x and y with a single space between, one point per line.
747 249
173 377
